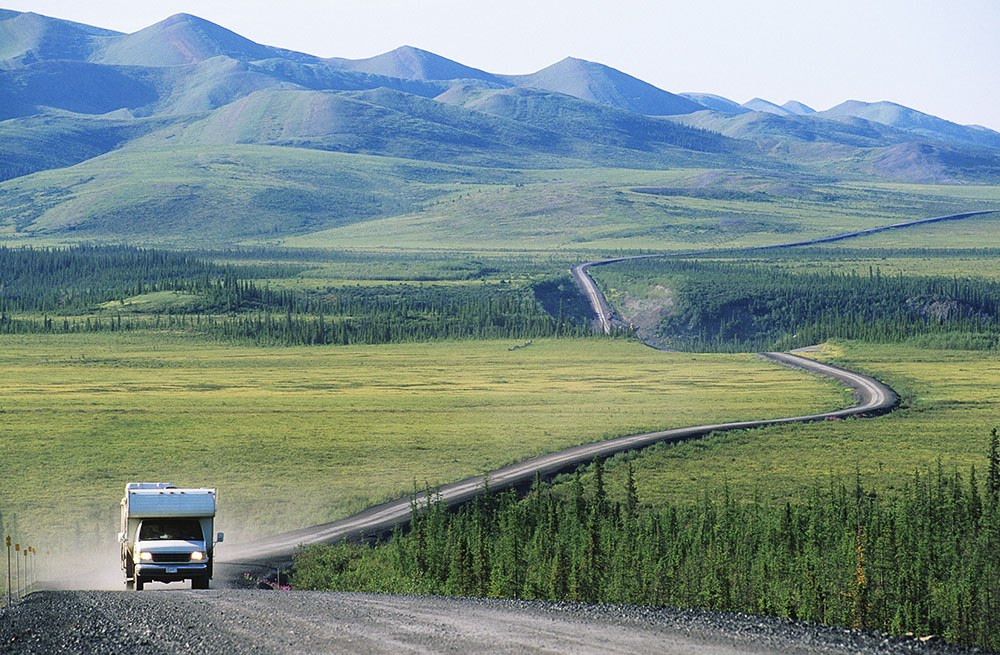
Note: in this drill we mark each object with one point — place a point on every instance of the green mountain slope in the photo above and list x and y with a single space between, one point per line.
38 143
587 120
74 86
218 194
31 37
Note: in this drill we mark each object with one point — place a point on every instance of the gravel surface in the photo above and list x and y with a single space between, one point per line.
245 621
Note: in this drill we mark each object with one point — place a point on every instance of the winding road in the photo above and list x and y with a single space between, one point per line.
602 309
872 398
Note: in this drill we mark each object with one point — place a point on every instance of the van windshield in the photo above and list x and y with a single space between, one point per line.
168 529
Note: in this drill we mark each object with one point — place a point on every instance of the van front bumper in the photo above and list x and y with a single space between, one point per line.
171 572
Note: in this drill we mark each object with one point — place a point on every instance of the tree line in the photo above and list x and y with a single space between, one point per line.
75 280
74 290
924 560
724 306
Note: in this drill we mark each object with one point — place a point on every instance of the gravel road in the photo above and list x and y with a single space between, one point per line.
245 621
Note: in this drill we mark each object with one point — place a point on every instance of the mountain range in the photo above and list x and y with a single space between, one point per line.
80 104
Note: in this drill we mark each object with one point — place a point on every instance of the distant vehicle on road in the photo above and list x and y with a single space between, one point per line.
167 534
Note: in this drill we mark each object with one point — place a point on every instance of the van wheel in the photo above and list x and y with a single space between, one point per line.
139 582
199 583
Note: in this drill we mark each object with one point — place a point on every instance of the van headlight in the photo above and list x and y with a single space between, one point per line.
144 557
197 556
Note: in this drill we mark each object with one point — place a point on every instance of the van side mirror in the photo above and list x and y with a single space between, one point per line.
219 537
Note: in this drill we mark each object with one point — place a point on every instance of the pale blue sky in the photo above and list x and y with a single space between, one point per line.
941 57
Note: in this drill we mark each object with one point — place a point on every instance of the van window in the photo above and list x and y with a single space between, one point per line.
168 529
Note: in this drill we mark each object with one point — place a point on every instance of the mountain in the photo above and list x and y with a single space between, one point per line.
41 142
31 37
409 63
931 164
183 39
716 103
798 108
759 104
187 128
853 146
606 86
911 120
216 195
327 75
568 115
379 122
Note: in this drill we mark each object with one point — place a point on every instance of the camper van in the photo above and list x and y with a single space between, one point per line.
167 534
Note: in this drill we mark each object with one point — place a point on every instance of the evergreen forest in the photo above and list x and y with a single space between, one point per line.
92 289
924 560
730 306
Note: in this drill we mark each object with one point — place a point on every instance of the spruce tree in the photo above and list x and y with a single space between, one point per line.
993 478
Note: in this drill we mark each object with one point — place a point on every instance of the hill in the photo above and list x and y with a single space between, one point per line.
798 108
221 194
183 39
759 104
716 103
411 63
913 121
30 37
604 85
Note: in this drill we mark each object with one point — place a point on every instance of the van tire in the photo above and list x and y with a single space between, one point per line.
139 582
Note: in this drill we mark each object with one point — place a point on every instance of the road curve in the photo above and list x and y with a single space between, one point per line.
872 397
601 308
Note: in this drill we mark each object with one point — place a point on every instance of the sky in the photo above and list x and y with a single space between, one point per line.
940 57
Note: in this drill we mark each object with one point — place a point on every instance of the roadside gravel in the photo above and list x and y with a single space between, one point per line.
251 621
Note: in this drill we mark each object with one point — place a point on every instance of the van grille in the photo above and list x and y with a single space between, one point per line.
171 557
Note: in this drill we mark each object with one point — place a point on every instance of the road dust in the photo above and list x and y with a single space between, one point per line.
91 564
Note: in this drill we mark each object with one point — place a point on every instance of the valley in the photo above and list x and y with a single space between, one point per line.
321 283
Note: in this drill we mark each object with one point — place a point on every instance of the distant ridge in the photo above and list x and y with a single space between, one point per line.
33 37
759 104
411 63
905 118
249 141
183 39
716 103
604 85
798 108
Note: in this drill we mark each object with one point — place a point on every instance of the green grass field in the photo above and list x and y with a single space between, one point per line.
949 408
297 436
601 210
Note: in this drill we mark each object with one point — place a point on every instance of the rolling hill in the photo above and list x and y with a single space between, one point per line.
29 37
914 122
409 63
604 85
87 114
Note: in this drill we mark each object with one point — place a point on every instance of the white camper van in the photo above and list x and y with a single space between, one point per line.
167 534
